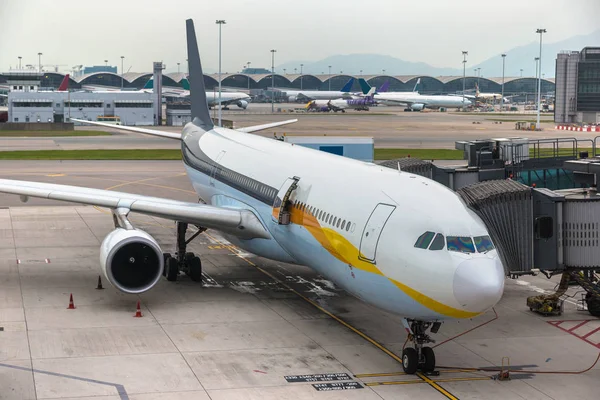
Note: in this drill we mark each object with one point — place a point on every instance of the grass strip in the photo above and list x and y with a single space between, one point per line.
51 133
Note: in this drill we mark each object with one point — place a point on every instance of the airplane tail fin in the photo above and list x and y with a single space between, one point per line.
185 84
416 88
364 86
371 92
348 86
200 113
384 87
64 85
150 83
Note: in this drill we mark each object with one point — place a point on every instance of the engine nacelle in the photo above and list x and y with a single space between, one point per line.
131 260
242 104
417 107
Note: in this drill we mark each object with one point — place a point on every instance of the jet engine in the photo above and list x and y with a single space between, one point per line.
417 107
242 104
131 260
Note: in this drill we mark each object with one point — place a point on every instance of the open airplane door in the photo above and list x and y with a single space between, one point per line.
281 214
372 231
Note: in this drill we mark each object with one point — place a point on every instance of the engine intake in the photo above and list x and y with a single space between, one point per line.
131 260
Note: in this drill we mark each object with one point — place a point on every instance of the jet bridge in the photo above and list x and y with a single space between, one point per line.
538 229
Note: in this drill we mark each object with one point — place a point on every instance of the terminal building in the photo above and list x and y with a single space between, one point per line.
578 87
524 87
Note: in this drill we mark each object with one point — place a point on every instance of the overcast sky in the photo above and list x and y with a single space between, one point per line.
433 31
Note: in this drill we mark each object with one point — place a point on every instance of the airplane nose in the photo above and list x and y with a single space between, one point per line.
479 283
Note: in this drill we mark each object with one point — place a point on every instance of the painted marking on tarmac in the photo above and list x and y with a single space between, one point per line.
588 328
56 175
120 388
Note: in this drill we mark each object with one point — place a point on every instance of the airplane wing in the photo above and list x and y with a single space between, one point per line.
239 222
177 136
255 128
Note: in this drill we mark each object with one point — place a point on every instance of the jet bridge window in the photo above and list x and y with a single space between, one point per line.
483 243
424 240
461 244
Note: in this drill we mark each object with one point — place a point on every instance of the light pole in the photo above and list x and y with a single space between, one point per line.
220 22
273 51
40 62
541 31
301 65
285 73
178 67
502 95
361 72
521 72
537 60
465 54
106 63
122 57
330 78
383 70
478 76
19 61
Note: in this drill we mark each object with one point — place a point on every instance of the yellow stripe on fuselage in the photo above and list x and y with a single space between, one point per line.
341 248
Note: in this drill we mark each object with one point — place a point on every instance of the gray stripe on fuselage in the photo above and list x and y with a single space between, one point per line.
195 158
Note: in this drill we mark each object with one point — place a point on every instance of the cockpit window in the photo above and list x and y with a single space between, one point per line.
483 243
461 244
424 240
438 243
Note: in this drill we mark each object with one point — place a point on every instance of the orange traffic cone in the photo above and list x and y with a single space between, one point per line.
71 304
99 287
138 312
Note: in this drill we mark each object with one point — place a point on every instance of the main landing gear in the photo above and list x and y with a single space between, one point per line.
419 357
183 261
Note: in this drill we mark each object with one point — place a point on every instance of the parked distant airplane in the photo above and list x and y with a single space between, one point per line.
415 101
344 92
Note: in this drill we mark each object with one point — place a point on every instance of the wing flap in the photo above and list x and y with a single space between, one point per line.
239 222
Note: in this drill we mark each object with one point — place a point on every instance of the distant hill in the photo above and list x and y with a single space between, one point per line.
369 63
516 58
524 56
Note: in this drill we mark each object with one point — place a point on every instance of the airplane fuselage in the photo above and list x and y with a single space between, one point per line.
353 222
415 98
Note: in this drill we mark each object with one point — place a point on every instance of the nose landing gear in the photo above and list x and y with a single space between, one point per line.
419 357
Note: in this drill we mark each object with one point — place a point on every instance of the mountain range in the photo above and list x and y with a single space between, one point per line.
517 58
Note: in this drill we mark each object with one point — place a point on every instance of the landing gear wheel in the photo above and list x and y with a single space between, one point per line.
171 269
428 359
410 360
194 269
166 257
593 305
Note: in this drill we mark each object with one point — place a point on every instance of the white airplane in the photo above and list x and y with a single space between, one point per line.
398 241
344 92
227 98
415 101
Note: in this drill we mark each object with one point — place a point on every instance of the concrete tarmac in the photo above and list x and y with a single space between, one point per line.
389 126
254 329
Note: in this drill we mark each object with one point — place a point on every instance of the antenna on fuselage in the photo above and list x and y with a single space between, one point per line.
200 113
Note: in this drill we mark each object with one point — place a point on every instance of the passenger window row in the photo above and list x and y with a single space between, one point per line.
462 244
324 216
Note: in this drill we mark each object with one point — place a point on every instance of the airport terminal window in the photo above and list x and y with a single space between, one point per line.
461 244
438 243
424 240
483 243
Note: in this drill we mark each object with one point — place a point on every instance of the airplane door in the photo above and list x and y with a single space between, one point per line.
372 231
216 167
281 214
